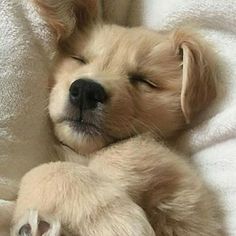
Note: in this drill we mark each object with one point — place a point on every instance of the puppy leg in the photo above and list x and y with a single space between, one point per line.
83 203
175 199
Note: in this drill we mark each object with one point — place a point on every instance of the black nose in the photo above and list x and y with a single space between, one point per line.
86 94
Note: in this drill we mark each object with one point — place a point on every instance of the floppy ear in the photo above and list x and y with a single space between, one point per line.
198 73
65 16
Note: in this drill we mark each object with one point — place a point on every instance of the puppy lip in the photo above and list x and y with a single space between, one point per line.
83 126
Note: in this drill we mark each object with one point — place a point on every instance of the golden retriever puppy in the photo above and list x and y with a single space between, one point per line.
115 92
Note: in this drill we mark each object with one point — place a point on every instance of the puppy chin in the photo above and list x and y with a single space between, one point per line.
80 142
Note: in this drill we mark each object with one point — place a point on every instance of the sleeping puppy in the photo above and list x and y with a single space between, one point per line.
115 92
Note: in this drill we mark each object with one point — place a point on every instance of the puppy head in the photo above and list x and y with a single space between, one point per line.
111 83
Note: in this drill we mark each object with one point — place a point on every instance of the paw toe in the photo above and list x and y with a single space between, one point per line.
25 230
33 225
43 227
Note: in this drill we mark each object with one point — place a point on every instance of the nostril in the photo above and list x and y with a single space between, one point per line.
74 94
98 95
74 91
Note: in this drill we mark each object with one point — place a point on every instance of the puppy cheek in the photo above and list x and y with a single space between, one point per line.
58 101
158 113
120 115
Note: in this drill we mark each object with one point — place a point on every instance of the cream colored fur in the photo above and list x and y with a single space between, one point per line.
128 182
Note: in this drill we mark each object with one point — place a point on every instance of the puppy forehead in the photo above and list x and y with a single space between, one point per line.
111 40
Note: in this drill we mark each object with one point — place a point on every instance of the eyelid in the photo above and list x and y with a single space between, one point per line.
151 83
79 58
142 79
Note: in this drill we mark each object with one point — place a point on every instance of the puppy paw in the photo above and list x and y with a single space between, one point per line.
34 225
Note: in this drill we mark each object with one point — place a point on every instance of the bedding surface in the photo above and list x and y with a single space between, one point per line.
25 52
25 139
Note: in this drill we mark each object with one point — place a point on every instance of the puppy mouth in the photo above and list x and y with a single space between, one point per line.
83 126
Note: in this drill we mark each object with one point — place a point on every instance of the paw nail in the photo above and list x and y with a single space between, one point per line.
25 230
43 227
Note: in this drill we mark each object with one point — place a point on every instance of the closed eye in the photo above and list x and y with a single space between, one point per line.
80 59
139 78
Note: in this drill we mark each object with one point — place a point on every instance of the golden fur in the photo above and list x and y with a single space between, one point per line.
131 184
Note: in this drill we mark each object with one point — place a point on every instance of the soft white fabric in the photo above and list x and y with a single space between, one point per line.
25 139
212 144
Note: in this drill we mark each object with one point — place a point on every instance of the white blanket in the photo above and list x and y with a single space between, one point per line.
25 51
25 140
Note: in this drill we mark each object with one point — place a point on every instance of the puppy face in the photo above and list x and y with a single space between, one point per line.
114 83
111 82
